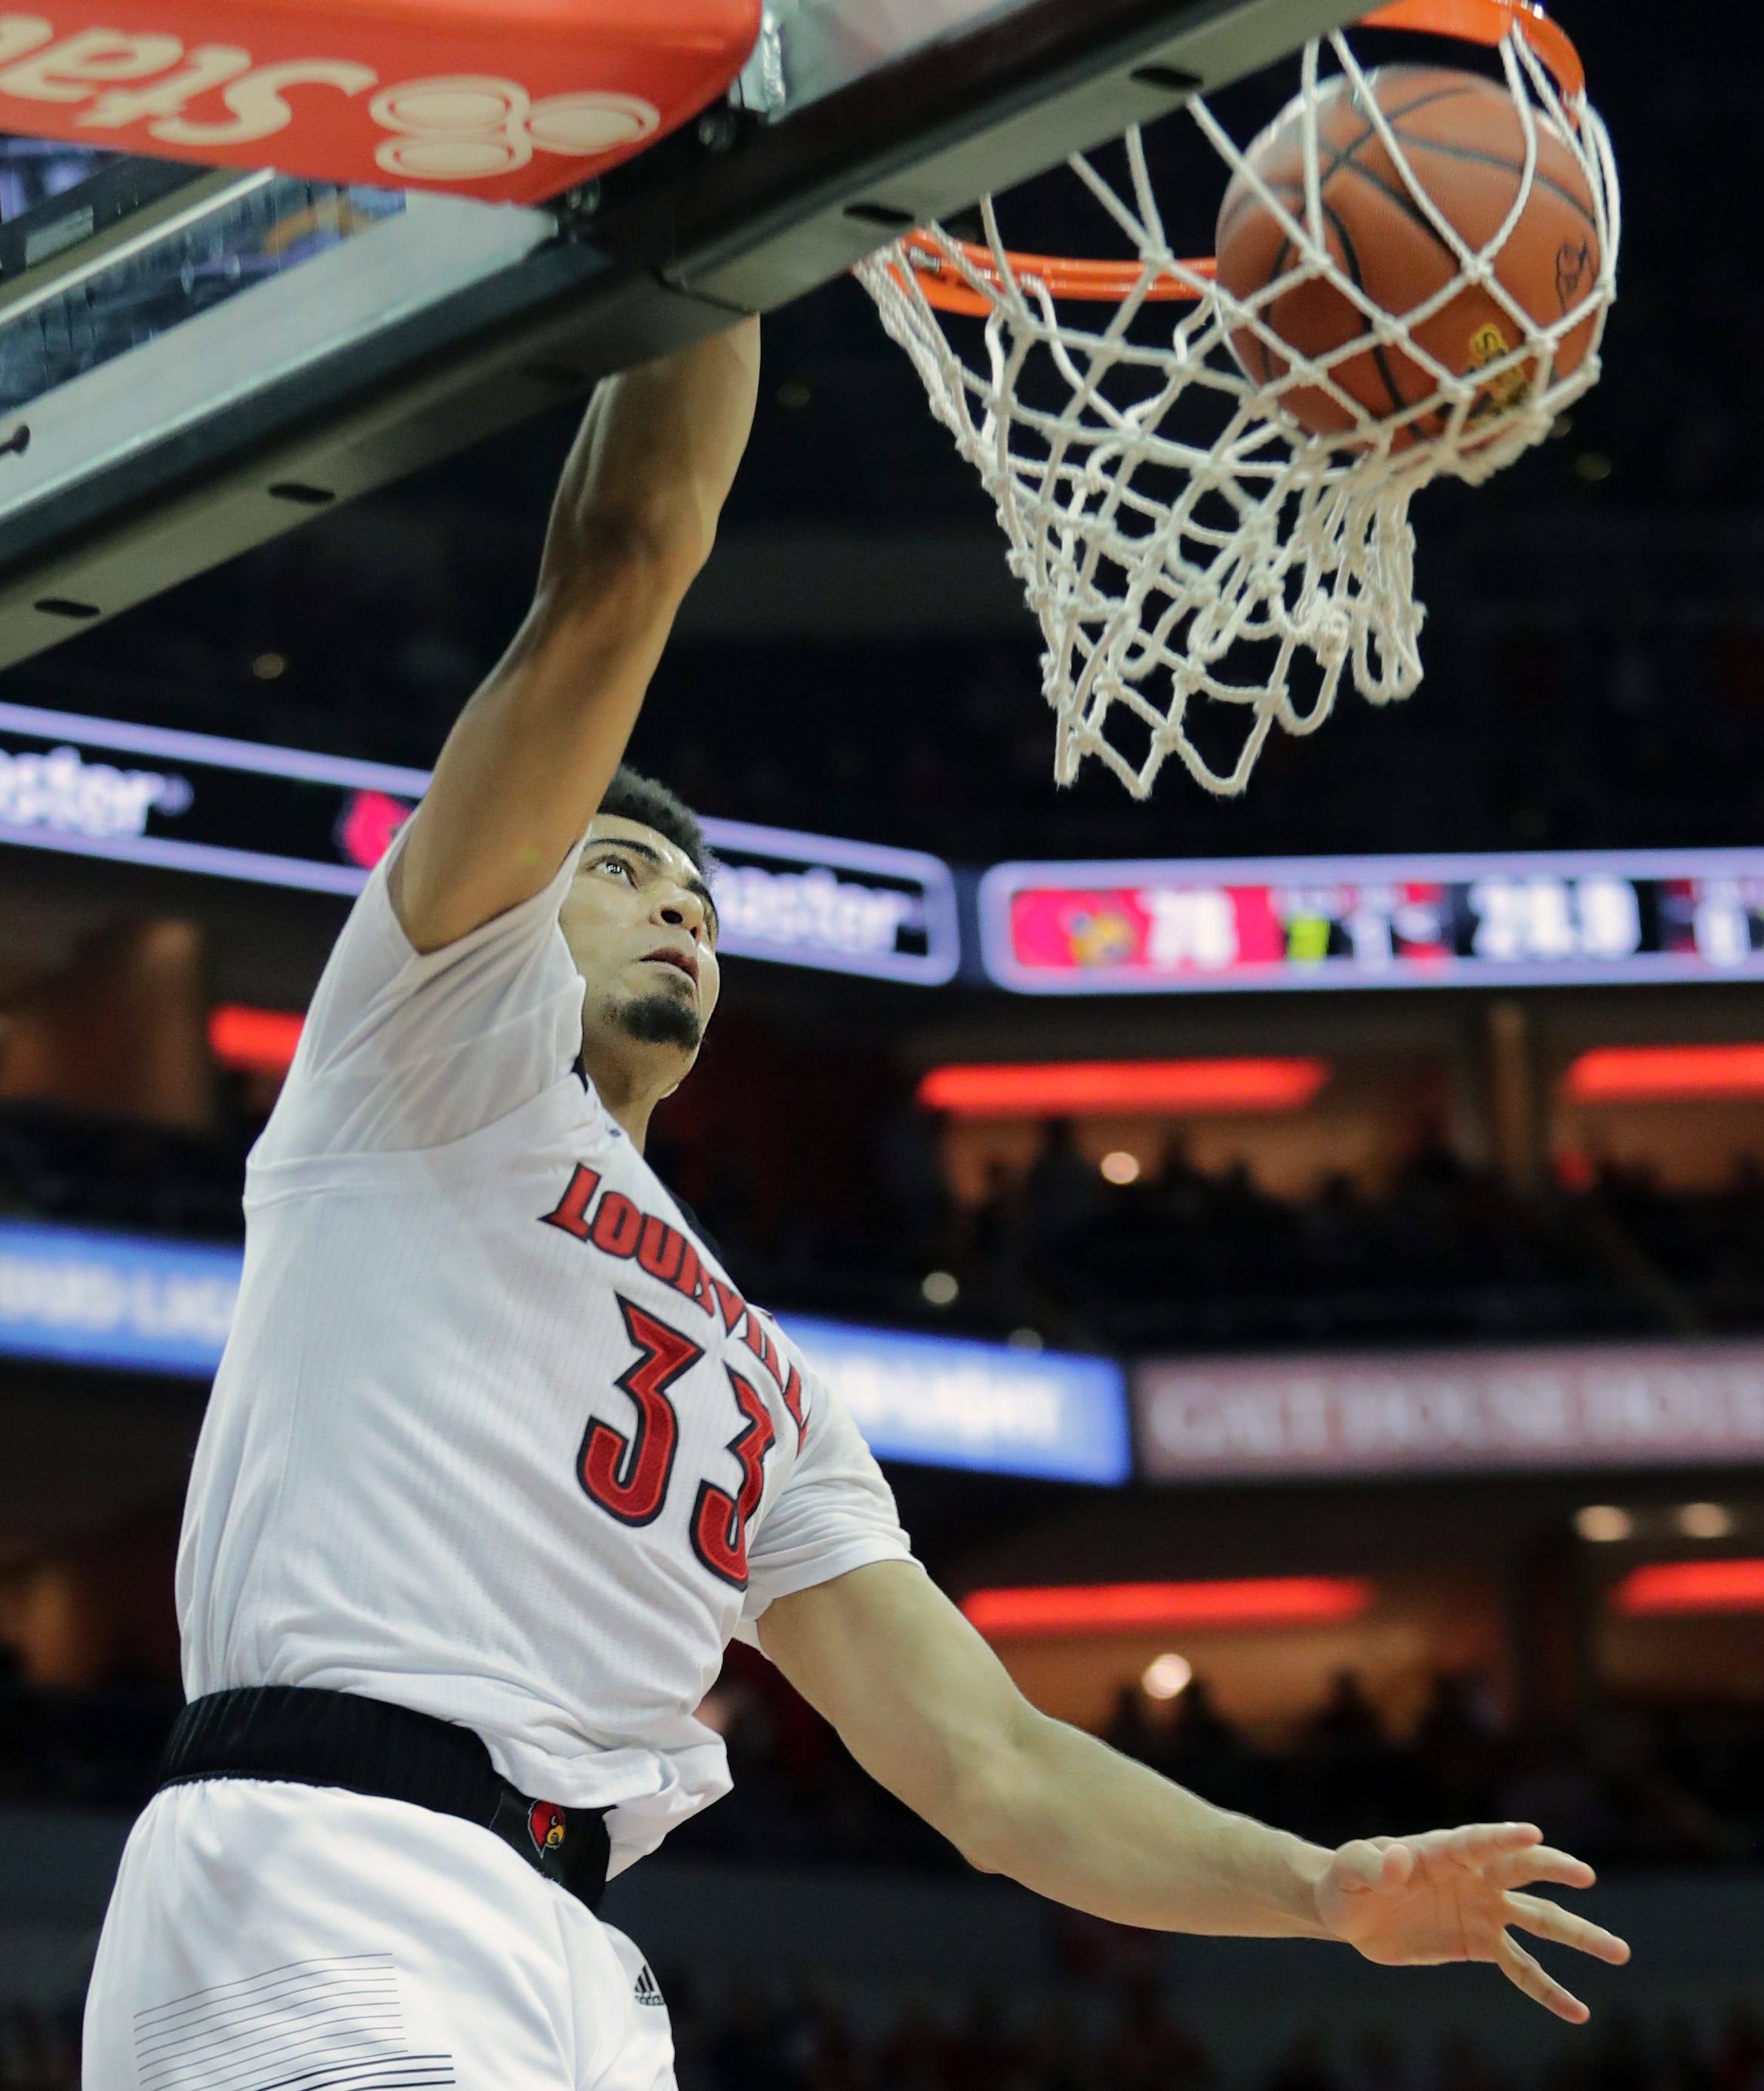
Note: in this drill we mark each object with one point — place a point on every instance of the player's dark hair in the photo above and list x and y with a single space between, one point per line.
632 796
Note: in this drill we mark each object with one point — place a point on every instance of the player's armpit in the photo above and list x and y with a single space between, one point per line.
531 755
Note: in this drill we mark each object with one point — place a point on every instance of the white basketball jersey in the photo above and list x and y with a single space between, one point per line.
495 1437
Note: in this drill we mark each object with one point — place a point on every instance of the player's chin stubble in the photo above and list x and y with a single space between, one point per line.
660 1019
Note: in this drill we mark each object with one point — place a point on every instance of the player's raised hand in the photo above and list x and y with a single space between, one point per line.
529 758
1458 1895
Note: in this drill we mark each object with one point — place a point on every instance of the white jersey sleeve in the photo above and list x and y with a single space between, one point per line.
836 1514
404 1050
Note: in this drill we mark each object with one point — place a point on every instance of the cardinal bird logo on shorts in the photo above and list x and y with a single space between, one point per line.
546 1826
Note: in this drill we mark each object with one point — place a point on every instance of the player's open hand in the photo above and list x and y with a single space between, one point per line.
1457 1895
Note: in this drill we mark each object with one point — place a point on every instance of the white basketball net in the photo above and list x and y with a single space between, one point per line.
1153 562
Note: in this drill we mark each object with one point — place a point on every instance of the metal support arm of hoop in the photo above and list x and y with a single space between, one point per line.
1486 22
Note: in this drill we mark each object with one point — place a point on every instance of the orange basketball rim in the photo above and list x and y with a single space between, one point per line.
510 100
951 290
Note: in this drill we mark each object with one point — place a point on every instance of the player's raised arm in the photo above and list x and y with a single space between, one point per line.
527 761
926 1708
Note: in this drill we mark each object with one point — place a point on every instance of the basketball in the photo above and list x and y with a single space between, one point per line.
1465 140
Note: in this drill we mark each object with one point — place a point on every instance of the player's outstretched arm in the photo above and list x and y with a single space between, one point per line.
532 754
926 1708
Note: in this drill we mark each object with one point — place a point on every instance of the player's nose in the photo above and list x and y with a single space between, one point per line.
682 910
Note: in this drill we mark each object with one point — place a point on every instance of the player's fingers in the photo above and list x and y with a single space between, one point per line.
1563 1927
1540 1862
1478 1842
1517 1965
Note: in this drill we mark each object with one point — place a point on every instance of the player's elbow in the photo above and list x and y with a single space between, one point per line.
639 550
603 610
992 1803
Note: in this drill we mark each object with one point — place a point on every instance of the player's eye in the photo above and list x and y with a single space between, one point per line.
618 865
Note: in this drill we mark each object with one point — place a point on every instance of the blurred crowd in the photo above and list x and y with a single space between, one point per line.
1447 1248
1122 2036
95 1746
1660 1786
39 2051
1178 1257
61 1165
1635 1787
1133 2041
1642 1788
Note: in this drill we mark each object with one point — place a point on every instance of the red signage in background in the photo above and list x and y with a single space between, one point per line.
1065 1088
1064 1609
1170 929
1152 928
368 824
1638 1074
255 1041
510 105
1673 1589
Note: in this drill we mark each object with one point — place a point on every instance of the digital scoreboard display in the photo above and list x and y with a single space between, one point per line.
840 907
196 802
1369 922
284 817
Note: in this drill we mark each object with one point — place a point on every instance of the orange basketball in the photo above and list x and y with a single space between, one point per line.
1464 142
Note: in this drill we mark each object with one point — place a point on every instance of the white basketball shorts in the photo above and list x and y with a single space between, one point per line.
273 1937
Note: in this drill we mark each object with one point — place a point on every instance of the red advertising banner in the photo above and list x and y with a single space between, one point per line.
1444 1412
509 103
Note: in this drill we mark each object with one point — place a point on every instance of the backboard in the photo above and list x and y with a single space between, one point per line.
193 359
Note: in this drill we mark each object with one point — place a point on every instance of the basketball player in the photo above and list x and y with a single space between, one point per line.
499 1459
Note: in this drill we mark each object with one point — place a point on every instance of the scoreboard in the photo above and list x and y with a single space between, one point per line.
284 817
137 794
1157 928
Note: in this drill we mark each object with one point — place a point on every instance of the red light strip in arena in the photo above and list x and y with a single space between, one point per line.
1055 1088
1628 1074
255 1041
1666 1587
1113 1608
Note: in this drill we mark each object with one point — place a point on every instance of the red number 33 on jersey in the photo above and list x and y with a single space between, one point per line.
628 1477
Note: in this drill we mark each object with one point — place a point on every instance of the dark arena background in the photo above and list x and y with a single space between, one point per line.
1300 1257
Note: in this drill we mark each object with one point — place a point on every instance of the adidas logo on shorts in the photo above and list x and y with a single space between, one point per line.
648 1990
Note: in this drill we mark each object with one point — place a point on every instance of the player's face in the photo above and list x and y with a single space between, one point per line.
642 927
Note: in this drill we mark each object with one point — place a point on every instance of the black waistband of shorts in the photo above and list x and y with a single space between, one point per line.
297 1735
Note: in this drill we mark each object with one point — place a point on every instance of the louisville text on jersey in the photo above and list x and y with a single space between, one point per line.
615 1225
